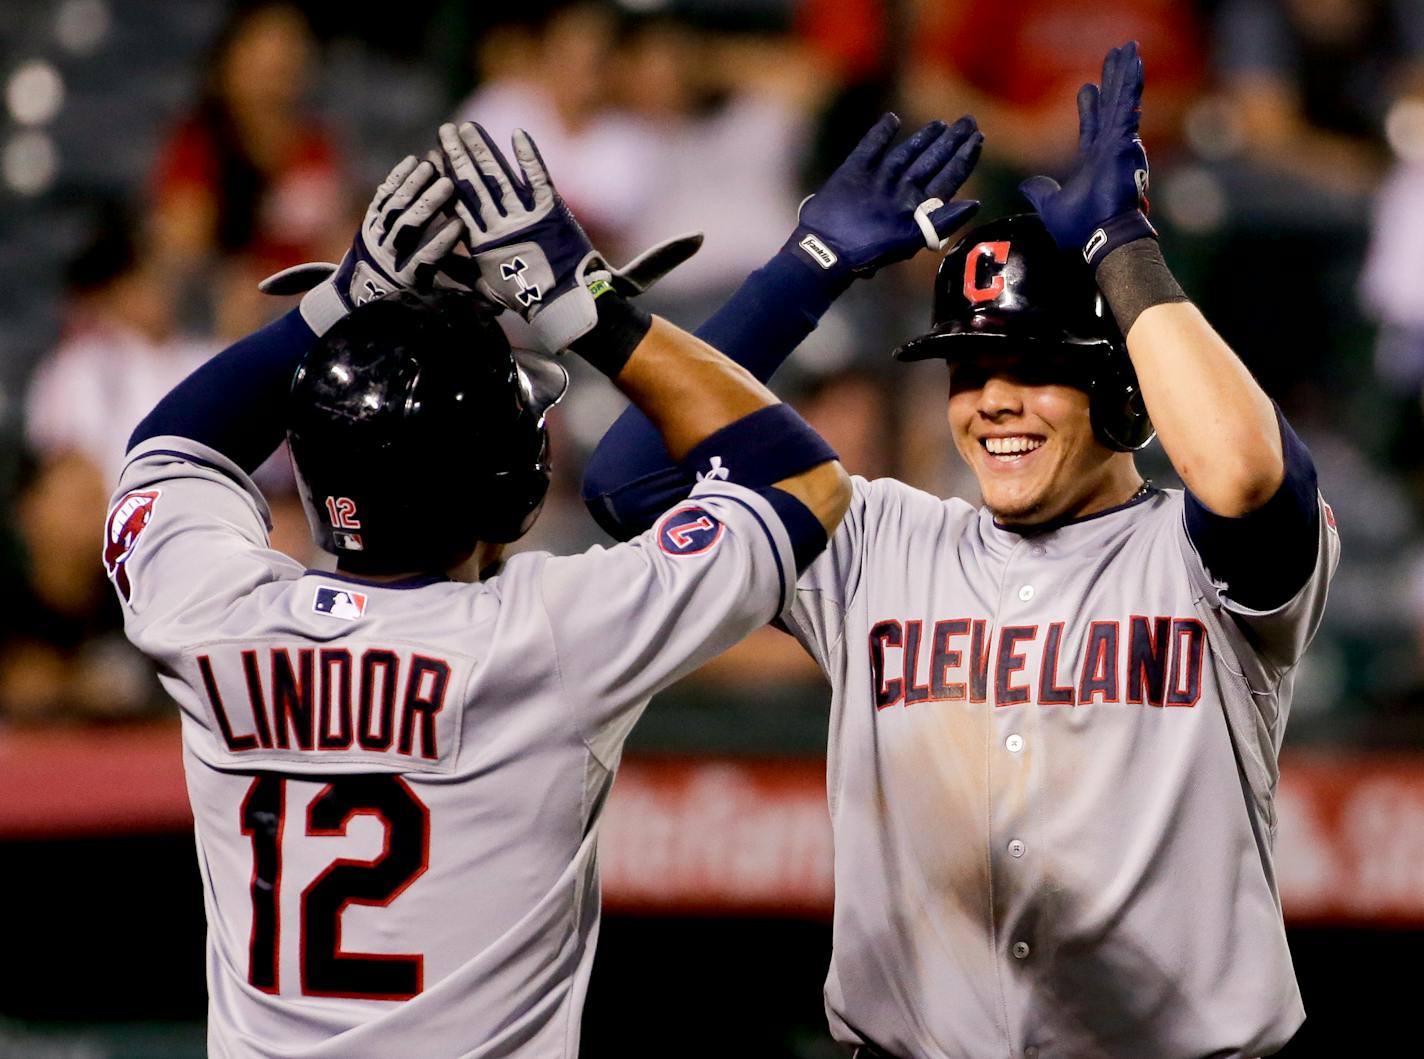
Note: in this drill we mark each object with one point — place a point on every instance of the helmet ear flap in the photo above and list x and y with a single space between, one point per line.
514 501
513 495
1115 402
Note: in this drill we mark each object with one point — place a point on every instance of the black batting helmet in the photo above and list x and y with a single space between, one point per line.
415 433
1006 282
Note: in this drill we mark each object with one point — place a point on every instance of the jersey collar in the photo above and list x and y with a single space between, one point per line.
1146 493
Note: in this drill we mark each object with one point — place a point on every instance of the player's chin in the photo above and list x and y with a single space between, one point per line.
1014 509
1023 500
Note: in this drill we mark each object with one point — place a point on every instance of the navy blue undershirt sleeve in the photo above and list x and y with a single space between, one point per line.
630 479
773 310
1264 557
236 402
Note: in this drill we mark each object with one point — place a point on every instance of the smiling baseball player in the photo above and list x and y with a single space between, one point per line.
397 774
1055 719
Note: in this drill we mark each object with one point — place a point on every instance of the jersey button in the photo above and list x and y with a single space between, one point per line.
1021 950
1026 593
1017 848
1014 743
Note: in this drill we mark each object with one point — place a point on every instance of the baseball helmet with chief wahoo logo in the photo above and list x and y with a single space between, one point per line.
1006 285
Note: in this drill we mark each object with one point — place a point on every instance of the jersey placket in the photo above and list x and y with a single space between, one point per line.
1015 853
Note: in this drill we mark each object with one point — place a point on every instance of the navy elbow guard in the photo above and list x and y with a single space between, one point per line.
759 450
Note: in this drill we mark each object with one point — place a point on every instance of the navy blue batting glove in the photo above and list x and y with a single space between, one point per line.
1103 203
884 205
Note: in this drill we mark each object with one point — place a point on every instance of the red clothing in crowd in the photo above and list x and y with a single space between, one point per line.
274 219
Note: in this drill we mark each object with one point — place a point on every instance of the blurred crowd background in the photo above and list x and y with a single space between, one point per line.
158 158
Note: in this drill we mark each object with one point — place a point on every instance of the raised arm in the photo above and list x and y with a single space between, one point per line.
709 413
879 207
236 403
1217 425
1252 505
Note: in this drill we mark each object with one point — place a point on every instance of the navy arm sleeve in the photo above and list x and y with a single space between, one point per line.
1266 556
236 402
631 479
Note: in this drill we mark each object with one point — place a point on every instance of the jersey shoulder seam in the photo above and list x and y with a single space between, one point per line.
831 645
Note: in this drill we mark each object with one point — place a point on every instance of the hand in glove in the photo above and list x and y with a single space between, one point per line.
405 237
885 205
1103 203
531 253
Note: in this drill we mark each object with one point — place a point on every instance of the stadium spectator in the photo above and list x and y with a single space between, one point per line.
1310 82
121 350
551 74
1391 282
1022 88
730 113
657 126
119 353
248 174
63 654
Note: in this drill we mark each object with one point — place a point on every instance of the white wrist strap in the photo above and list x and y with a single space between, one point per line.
922 218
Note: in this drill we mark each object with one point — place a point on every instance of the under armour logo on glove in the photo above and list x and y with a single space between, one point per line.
715 472
528 293
516 221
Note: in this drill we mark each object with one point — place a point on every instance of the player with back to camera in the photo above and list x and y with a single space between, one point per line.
397 771
1055 719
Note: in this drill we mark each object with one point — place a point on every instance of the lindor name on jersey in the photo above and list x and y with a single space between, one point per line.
1152 661
322 701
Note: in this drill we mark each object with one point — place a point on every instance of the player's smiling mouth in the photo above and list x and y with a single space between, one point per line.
1011 448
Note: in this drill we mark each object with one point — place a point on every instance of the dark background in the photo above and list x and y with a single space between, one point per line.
1286 142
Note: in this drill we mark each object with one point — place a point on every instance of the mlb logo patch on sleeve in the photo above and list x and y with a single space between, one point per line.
128 519
339 602
689 531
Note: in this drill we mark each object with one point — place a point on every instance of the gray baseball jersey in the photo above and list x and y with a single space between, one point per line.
1052 761
397 788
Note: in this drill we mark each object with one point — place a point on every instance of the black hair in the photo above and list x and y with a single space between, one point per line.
109 253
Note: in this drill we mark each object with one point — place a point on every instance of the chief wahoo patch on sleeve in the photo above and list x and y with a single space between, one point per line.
126 522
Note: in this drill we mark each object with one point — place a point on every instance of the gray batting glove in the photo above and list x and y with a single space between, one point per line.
406 235
531 254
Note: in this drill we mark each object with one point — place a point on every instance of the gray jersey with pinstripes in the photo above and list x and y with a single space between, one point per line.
1052 760
397 790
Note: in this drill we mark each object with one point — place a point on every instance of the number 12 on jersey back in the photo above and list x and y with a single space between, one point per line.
325 968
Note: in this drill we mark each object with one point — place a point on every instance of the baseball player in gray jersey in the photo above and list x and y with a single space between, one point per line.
1055 718
397 772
